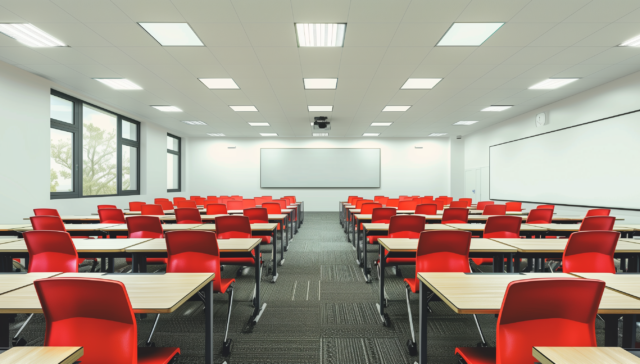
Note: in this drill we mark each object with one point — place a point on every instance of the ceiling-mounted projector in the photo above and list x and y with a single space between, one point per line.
321 123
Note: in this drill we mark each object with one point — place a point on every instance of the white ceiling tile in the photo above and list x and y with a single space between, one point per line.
419 34
539 11
347 83
95 11
278 55
245 71
491 55
407 97
124 34
286 83
398 72
603 11
365 11
283 71
369 34
24 55
35 11
326 11
613 55
448 55
566 34
543 71
95 71
191 55
575 55
362 55
235 55
75 34
533 55
429 12
427 70
224 34
493 11
311 55
258 11
214 70
156 11
581 70
471 70
54 71
321 71
517 34
271 34
150 55
8 17
405 55
612 35
508 70
66 55
320 97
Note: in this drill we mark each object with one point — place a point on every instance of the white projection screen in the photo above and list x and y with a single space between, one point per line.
318 168
592 165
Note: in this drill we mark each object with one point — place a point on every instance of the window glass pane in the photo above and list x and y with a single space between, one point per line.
129 130
61 109
172 172
129 168
61 163
99 144
172 144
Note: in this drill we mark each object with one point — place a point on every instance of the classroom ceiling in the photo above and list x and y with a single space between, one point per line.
386 42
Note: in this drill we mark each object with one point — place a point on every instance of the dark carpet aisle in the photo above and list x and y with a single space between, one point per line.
319 311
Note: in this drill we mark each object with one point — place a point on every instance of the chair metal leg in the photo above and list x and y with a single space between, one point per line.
21 342
484 343
153 329
226 345
411 343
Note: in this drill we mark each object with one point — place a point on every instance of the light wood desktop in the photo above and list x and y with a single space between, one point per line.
583 355
90 246
12 281
42 355
558 245
225 246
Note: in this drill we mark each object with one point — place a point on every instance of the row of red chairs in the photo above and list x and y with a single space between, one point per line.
232 202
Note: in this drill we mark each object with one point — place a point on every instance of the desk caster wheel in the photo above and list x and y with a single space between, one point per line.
413 348
386 321
19 342
150 345
226 347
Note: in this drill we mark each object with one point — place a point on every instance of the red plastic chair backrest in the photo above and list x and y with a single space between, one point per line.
454 215
47 223
361 202
136 205
213 199
237 197
378 199
505 227
234 205
482 204
590 252
404 198
234 226
194 198
176 199
439 204
269 198
100 207
597 223
283 203
540 216
248 203
273 208
46 212
289 200
188 216
514 206
145 227
406 226
393 202
70 305
111 216
443 251
598 212
407 205
157 200
531 306
257 215
166 205
51 251
152 210
192 251
259 201
223 200
367 208
355 200
293 199
426 200
186 204
382 215
468 201
216 209
458 204
494 210
200 201
350 199
427 209
549 207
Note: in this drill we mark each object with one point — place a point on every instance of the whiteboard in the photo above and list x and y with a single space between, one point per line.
320 167
591 165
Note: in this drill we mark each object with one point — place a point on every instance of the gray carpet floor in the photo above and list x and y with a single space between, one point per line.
319 311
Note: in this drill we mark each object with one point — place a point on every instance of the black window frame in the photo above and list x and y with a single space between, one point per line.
179 154
76 128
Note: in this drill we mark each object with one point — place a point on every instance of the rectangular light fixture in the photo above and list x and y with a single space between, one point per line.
320 35
194 122
381 124
552 83
370 134
172 34
243 108
119 83
219 83
437 134
396 108
320 108
468 34
215 134
497 108
320 134
633 42
259 124
471 122
167 108
320 83
30 35
420 83
269 134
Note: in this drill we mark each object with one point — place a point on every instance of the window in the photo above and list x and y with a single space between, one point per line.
94 152
173 163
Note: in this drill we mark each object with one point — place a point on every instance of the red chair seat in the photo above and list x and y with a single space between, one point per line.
156 355
225 283
478 355
414 284
374 239
480 261
401 261
238 261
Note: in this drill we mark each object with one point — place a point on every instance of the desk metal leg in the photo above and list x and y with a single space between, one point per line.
274 257
110 265
5 336
355 227
365 266
610 329
134 263
257 309
358 258
424 309
357 238
208 323
629 331
498 263
282 244
349 219
383 316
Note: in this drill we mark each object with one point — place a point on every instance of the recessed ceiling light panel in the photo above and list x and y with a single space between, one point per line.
119 83
320 35
215 134
320 83
497 108
320 134
370 134
381 124
552 83
243 108
259 124
30 35
220 83
320 108
194 122
633 42
437 134
167 108
172 34
468 34
396 108
268 134
420 83
470 122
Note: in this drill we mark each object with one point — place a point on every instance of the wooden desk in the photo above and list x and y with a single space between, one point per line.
42 355
583 355
355 221
121 229
525 229
10 229
479 212
567 229
79 229
12 281
635 227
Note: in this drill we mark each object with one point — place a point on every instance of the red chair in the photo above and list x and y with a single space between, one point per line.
541 312
188 216
70 305
237 197
216 209
393 202
514 206
597 223
259 201
540 216
283 203
213 199
482 204
500 227
495 210
46 212
51 251
111 216
439 204
454 215
590 252
458 204
157 200
549 207
269 198
350 200
194 198
248 203
223 200
136 205
53 223
407 205
426 200
152 210
427 209
378 199
468 201
367 208
200 201
258 215
361 202
186 204
231 227
166 205
598 212
146 227
178 199
100 207
381 215
234 205
404 226
273 208
293 199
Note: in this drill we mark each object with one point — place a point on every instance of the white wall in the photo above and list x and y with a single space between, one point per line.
613 98
24 151
216 170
